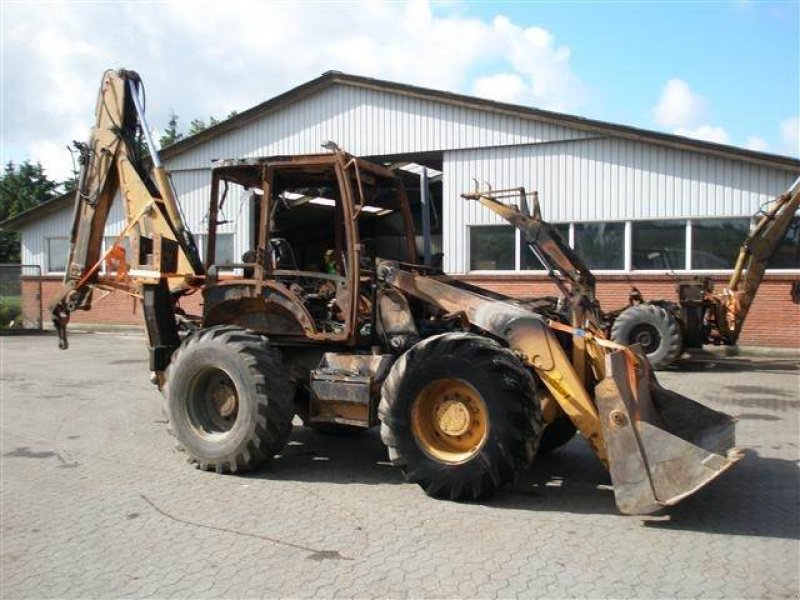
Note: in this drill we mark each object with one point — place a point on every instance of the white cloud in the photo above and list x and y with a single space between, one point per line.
503 87
541 72
708 133
757 143
679 106
790 135
203 58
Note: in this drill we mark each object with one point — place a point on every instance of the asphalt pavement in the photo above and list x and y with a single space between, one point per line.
97 502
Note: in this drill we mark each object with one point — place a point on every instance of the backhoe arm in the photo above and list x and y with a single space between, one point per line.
116 159
754 256
567 270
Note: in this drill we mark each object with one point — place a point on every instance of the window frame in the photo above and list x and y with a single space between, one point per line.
468 240
686 268
48 269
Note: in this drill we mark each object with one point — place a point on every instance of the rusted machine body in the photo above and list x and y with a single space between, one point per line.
328 317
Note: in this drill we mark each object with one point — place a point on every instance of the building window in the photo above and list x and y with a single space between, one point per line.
223 254
492 248
528 261
57 254
601 245
716 242
658 245
787 255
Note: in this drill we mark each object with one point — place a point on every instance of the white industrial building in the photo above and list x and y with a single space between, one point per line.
632 201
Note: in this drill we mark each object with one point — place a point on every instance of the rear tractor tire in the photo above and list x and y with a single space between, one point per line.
655 329
229 400
460 416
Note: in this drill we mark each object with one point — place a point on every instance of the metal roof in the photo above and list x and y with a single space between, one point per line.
600 127
332 78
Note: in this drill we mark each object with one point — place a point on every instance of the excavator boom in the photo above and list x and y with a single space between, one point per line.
117 160
754 256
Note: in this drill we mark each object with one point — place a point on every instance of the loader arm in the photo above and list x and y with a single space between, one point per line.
567 270
115 160
753 259
564 267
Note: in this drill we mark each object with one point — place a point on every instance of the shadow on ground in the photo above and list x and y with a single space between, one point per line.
754 498
713 364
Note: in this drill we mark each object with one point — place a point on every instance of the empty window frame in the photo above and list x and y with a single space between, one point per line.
492 248
223 252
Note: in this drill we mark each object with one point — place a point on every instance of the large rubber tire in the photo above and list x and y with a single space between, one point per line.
230 402
513 415
655 328
556 434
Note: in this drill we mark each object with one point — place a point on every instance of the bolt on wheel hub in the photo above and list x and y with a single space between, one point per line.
452 417
449 420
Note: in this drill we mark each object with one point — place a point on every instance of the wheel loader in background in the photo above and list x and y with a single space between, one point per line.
329 318
662 328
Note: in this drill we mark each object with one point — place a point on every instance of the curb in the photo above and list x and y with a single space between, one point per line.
723 351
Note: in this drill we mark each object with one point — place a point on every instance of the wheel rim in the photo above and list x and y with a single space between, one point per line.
647 337
449 420
213 403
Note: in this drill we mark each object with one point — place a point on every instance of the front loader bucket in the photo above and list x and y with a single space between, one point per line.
661 446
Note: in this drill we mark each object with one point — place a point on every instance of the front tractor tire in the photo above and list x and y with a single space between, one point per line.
229 400
655 329
460 416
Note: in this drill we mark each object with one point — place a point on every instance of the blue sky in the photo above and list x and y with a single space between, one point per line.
743 57
721 71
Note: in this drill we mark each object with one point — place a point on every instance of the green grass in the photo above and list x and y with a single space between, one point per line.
10 310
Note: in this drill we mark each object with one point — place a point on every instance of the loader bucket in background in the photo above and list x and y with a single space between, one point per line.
661 445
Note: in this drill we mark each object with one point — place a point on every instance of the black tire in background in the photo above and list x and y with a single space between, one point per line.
229 399
556 433
655 328
494 377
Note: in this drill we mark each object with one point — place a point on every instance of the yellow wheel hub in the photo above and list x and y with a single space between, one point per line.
449 420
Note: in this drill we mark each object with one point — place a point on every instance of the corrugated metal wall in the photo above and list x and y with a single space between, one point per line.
35 236
368 122
579 177
605 179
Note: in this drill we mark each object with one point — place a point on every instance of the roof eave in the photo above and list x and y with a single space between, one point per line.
40 210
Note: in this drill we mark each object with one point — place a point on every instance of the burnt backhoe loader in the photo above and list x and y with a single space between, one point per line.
328 317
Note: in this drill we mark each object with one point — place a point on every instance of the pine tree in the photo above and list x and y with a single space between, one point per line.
171 133
21 187
196 126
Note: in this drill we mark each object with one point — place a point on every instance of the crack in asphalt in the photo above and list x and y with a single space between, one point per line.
315 553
